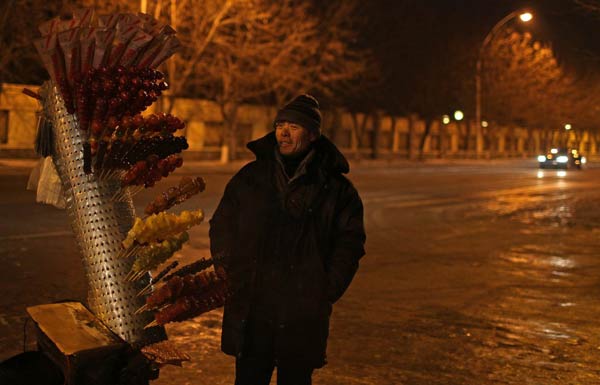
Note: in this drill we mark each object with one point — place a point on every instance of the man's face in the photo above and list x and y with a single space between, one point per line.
292 138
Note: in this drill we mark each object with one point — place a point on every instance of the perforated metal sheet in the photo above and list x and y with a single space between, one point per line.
99 225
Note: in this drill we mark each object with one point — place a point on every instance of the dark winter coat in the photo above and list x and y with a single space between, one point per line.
290 248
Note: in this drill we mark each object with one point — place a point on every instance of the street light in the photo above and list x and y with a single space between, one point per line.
568 128
458 115
524 17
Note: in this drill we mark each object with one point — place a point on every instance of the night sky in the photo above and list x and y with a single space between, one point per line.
429 44
572 31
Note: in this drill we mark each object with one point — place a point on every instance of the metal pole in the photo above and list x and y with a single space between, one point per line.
171 64
479 143
478 66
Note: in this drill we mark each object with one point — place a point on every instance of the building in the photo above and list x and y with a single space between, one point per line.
357 135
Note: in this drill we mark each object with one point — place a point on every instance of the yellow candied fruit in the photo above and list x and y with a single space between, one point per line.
161 225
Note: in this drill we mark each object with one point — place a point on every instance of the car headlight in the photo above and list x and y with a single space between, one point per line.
562 159
541 158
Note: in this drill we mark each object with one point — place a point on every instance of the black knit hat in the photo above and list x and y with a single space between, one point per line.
302 110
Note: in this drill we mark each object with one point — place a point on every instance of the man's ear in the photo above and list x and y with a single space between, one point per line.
312 136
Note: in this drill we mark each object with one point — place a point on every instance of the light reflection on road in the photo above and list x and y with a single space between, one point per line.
546 174
535 320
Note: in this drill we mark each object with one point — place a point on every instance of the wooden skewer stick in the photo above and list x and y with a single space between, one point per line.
116 194
31 94
132 251
145 290
135 190
151 324
107 174
142 309
122 196
130 276
138 275
124 253
143 273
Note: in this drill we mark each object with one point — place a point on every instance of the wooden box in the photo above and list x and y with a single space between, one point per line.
84 348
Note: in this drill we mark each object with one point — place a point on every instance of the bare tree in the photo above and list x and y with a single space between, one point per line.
235 51
523 83
110 6
592 6
244 46
19 21
584 105
19 62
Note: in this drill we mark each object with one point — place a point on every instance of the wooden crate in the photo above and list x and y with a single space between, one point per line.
84 348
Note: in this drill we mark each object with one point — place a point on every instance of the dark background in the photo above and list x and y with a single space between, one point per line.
417 42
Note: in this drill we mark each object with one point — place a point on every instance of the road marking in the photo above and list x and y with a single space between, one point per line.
49 234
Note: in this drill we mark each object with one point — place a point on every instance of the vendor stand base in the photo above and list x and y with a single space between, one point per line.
71 339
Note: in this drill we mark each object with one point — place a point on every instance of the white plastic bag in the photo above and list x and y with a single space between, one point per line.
45 180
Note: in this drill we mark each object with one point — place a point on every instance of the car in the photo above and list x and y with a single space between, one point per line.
563 158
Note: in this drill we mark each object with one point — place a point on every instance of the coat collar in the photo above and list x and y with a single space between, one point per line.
327 155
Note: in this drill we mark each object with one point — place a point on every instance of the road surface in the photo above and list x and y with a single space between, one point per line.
475 273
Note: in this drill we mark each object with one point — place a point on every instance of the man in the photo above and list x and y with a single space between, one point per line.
288 234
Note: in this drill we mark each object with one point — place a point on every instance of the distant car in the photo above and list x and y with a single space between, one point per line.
562 158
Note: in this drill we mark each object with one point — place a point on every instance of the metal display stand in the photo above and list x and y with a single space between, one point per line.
100 224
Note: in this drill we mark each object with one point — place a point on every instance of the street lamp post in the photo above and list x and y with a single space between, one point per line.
525 17
568 128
